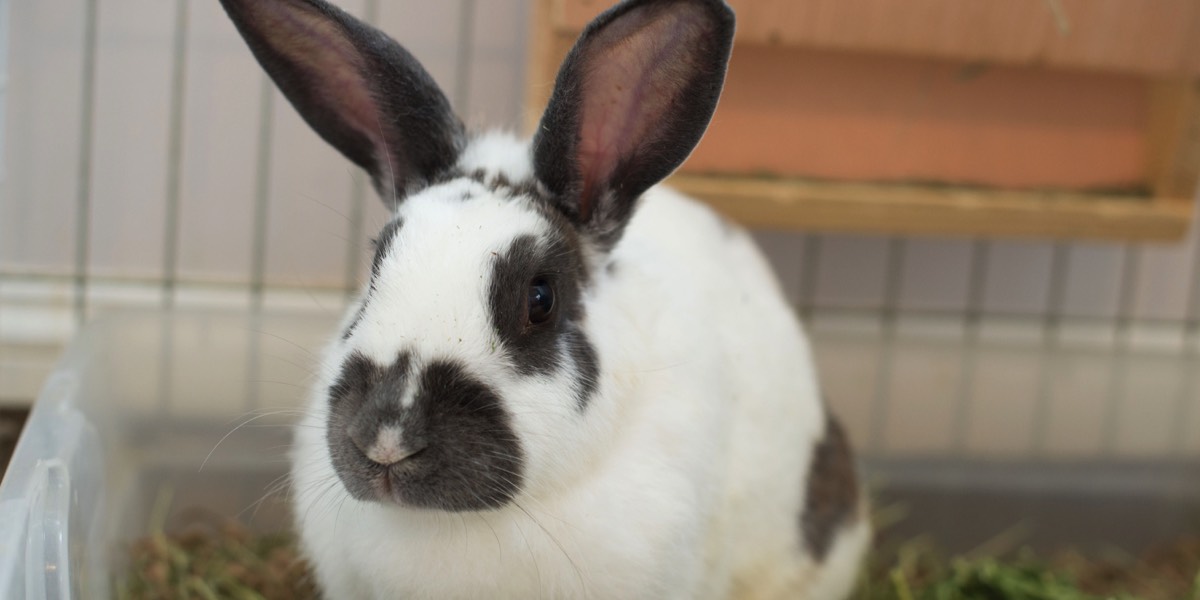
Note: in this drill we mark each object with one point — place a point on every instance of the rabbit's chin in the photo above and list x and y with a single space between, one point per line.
416 484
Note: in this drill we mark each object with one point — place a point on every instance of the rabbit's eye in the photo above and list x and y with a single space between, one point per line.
541 300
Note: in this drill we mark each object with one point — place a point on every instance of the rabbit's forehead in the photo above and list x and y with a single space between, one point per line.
431 277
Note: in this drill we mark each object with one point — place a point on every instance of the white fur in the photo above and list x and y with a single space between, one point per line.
683 478
495 151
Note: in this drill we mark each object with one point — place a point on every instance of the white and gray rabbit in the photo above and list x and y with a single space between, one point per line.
560 380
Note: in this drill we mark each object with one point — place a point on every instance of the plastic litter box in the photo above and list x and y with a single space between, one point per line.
134 407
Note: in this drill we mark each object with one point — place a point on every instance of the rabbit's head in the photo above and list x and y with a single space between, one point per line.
467 375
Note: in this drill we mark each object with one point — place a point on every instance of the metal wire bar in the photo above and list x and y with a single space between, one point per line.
1122 338
166 365
4 16
262 189
358 198
1191 315
1060 264
356 238
972 321
170 266
885 358
1189 354
254 359
83 183
1182 413
810 272
466 53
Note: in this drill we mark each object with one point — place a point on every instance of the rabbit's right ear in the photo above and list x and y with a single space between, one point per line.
631 101
356 87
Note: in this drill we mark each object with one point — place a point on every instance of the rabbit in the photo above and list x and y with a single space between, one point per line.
560 379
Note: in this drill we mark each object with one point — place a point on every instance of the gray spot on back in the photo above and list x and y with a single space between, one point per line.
831 501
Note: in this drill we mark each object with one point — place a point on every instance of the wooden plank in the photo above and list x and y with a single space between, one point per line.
1192 51
796 112
1139 36
895 209
832 115
1168 131
1151 37
1174 139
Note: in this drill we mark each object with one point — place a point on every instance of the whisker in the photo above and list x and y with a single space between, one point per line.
231 432
331 209
574 566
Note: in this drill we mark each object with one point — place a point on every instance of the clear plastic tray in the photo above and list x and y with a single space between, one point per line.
136 406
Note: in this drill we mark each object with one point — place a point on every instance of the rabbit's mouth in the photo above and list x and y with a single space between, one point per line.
452 448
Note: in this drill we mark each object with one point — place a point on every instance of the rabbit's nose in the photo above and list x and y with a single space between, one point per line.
385 445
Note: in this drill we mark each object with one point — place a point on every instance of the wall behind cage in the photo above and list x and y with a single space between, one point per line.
150 161
176 120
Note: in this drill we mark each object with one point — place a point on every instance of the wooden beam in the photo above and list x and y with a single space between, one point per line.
1171 158
1151 37
902 209
1173 139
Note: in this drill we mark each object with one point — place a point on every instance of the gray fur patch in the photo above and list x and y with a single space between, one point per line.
832 497
383 245
544 348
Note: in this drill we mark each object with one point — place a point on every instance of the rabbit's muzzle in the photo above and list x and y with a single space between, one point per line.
438 439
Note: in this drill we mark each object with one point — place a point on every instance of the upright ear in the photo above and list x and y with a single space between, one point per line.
632 99
359 89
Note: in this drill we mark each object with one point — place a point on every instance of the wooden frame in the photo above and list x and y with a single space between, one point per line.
1158 209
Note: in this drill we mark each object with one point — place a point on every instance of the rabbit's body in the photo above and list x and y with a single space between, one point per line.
701 488
559 381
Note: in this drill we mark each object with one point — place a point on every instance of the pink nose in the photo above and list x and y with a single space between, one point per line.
388 447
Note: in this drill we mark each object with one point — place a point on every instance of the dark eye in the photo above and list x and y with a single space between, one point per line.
541 300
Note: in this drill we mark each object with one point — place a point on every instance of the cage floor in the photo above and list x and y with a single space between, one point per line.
1087 437
1094 508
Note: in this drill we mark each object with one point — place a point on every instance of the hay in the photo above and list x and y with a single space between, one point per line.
214 557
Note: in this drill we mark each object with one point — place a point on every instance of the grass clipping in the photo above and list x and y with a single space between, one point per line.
213 558
918 572
216 558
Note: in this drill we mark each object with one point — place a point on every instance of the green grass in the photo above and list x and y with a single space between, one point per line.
1002 570
932 578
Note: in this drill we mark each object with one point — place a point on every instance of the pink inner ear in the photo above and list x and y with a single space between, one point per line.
637 68
327 55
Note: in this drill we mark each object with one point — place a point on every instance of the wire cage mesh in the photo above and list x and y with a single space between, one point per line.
150 165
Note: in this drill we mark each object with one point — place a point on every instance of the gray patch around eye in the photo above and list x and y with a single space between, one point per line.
832 497
587 366
545 348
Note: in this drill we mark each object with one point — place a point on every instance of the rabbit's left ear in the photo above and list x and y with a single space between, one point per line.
359 89
632 100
